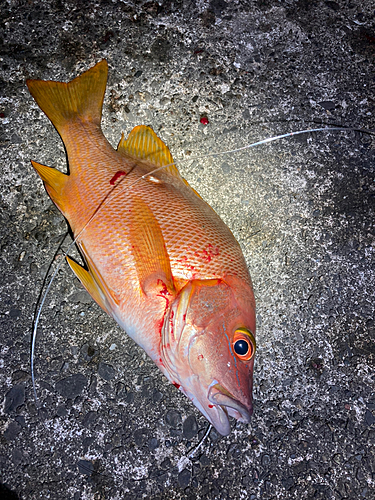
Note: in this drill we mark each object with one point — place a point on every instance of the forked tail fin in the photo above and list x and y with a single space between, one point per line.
81 99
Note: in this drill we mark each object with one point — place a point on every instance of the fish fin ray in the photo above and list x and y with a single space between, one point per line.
143 144
54 182
149 251
81 99
89 282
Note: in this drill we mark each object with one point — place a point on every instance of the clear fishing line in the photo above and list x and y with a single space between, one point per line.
181 464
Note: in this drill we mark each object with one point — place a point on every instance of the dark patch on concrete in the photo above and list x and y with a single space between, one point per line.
107 372
14 398
72 386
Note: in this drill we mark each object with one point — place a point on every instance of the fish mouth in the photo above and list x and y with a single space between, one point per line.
226 404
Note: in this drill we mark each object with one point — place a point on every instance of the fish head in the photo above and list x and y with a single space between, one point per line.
208 346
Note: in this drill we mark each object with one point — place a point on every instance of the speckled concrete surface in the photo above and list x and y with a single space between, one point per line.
109 425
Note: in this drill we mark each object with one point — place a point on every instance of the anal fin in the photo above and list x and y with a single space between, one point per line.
88 281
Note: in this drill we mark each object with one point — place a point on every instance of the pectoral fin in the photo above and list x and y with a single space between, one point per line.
149 252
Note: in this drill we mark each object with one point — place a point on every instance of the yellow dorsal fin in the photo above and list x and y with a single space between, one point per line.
54 182
196 192
88 281
144 144
82 98
149 251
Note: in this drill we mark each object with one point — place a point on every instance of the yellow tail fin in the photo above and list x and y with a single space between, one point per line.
82 98
54 182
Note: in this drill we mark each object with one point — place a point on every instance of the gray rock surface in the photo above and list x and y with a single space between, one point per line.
109 425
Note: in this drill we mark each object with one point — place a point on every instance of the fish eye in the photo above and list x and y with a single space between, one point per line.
241 347
244 344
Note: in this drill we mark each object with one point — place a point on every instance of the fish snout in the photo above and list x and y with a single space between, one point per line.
218 395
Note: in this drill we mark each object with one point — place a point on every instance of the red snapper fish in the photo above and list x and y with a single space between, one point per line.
159 260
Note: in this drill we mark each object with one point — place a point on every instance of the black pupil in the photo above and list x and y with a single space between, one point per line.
241 347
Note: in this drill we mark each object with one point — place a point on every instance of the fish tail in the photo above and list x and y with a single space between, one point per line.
81 99
54 182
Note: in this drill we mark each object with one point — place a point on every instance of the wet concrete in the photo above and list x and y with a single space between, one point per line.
109 425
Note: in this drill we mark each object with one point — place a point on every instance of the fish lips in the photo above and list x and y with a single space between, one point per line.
226 404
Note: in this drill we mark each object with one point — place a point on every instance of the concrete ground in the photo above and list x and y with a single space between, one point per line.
109 426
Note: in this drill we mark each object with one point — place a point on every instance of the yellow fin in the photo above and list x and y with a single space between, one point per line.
196 192
82 98
149 251
54 182
144 144
88 281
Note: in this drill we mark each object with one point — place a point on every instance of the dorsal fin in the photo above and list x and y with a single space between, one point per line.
54 182
142 143
196 192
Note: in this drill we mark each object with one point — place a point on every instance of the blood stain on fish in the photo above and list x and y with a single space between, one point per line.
116 176
210 252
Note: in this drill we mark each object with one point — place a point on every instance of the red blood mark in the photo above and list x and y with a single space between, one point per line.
198 51
208 253
116 176
160 326
210 406
200 357
164 290
176 385
204 120
165 294
171 324
2 115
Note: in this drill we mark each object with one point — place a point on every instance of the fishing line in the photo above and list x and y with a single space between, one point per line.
108 198
181 464
184 460
40 303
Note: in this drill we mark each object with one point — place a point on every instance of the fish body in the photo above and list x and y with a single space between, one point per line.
158 258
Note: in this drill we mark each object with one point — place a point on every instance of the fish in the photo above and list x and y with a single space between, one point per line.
157 257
